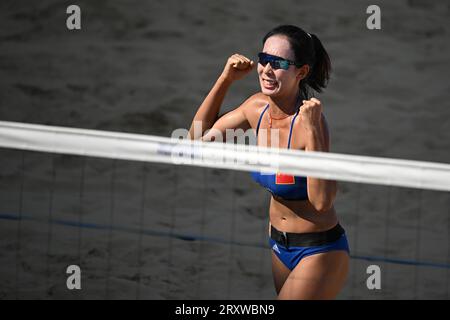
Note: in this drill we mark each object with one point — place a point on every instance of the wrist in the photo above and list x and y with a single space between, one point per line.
312 130
224 80
314 140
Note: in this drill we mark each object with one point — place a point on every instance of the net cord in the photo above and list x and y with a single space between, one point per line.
138 147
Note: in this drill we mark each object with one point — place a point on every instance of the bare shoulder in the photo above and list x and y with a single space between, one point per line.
254 101
252 107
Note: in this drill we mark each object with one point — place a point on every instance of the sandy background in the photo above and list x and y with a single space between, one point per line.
144 67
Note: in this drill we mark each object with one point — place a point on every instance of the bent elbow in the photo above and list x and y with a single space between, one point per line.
323 202
323 207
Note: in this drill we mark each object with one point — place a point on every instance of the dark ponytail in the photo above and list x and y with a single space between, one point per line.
320 73
307 50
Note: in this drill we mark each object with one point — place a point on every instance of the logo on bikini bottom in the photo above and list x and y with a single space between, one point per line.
275 248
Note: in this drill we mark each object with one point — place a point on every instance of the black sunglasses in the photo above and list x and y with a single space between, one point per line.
275 62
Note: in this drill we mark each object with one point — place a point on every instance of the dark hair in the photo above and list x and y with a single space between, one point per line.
307 50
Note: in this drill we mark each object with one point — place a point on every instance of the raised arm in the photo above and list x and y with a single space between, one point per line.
321 192
235 119
236 68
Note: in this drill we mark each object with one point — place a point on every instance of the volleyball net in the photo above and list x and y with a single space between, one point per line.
147 217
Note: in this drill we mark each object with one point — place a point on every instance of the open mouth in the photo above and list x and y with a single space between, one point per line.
269 83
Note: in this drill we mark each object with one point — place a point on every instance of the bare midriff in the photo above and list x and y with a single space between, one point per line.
299 216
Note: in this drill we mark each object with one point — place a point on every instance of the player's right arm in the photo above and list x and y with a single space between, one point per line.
206 118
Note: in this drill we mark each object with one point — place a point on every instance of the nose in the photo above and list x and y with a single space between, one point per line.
268 68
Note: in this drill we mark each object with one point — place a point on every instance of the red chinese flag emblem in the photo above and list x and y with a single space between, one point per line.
282 178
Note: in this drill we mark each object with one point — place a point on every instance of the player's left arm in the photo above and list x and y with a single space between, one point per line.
321 192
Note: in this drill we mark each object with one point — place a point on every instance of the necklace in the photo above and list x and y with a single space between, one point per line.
272 118
282 118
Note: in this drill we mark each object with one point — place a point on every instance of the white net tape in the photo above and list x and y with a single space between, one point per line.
137 147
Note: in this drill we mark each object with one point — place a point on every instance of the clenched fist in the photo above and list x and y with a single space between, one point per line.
310 113
237 67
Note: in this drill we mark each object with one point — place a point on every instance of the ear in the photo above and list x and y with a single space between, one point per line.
303 72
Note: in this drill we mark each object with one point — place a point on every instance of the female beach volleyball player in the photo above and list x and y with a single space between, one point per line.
310 254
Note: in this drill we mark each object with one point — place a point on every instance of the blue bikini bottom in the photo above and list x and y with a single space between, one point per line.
291 255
